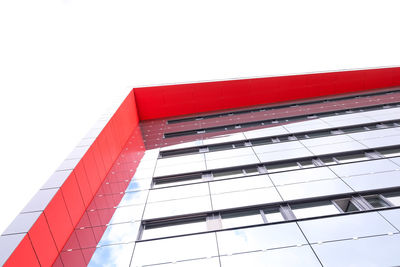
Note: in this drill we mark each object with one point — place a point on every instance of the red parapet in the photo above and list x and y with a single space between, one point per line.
173 100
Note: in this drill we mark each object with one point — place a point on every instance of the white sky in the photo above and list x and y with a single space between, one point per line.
61 61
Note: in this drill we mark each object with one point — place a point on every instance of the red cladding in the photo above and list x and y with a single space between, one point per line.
43 242
172 100
91 170
73 199
73 258
84 186
59 220
23 255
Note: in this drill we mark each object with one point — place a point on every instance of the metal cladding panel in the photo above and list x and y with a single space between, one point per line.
24 255
173 100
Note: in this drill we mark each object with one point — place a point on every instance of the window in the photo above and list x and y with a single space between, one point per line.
252 170
180 152
307 163
263 141
328 160
232 173
376 201
354 129
314 209
393 197
220 147
228 174
346 205
390 152
241 218
238 145
177 180
352 157
273 215
318 134
286 166
186 226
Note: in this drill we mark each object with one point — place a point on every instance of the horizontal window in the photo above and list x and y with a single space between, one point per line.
394 198
262 109
289 165
376 201
314 209
268 122
244 217
184 226
277 139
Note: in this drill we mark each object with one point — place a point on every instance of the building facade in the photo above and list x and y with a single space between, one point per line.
299 170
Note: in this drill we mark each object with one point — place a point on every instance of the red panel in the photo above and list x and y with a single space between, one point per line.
72 243
99 161
73 258
86 237
59 220
173 100
84 186
112 144
91 170
43 242
84 221
23 255
87 254
104 149
58 262
73 199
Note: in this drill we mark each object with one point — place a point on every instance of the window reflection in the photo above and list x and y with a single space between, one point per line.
114 255
120 233
259 238
371 251
175 249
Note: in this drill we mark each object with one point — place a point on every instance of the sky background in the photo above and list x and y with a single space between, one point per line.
61 61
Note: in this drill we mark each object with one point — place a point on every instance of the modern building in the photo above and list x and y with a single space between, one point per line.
300 170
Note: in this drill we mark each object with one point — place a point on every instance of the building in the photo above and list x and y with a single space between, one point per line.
300 170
